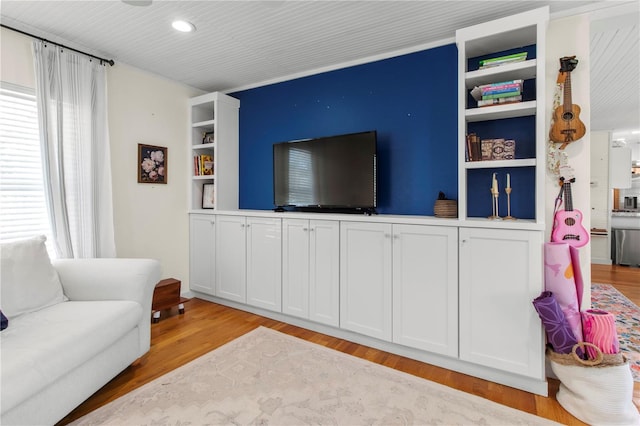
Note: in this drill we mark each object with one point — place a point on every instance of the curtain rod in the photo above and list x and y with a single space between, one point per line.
102 60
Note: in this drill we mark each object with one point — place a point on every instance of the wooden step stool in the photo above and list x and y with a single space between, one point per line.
165 296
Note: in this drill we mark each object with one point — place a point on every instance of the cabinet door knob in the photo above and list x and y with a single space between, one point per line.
213 221
305 229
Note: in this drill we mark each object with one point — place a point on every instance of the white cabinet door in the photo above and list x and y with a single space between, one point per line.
500 275
425 288
324 272
365 278
231 258
202 253
310 268
295 267
264 263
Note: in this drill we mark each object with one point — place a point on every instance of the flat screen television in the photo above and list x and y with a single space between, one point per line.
334 173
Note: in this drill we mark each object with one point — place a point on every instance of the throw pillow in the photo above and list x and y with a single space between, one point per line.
4 321
28 280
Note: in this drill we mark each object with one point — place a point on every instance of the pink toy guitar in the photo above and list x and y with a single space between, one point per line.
567 223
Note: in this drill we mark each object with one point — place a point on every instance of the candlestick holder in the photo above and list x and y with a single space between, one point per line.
494 205
508 216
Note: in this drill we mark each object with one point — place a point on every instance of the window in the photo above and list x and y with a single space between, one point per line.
23 210
301 185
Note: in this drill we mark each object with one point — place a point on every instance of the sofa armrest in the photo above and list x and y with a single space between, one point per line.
112 279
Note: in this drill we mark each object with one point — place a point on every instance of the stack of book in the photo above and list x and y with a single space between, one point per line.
202 165
503 92
503 60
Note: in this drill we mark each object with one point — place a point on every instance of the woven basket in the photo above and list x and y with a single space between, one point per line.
445 208
602 360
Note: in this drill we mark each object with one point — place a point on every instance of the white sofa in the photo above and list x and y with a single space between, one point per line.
57 352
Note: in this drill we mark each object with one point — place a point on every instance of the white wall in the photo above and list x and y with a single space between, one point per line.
149 220
568 37
16 59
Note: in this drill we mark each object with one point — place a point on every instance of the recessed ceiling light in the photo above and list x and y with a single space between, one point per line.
183 26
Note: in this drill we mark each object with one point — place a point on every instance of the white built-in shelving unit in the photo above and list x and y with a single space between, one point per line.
215 114
484 41
451 292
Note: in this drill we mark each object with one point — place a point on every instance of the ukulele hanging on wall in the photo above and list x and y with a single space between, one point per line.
567 223
567 126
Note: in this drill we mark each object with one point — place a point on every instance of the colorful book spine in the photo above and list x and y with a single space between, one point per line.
513 57
497 64
473 147
508 94
499 101
202 165
500 84
501 88
514 87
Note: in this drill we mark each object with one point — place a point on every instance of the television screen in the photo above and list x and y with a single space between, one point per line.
335 172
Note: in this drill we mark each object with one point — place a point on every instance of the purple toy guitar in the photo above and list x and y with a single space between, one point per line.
567 223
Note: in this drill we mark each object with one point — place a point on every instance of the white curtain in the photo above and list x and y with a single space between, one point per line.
72 113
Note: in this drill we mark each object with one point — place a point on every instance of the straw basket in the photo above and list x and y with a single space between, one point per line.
446 208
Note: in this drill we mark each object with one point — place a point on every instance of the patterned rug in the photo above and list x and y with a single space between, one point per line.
269 378
607 298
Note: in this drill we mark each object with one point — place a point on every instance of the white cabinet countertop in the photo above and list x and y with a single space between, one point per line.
625 220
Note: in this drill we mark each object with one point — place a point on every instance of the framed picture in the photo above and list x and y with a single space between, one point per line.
207 196
152 164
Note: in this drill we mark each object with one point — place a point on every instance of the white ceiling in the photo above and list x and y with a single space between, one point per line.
615 72
240 44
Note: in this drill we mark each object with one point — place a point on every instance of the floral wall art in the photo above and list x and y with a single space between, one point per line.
152 164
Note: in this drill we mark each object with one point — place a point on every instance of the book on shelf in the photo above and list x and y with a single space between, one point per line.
502 60
501 83
478 91
207 167
501 89
500 101
513 92
203 165
473 152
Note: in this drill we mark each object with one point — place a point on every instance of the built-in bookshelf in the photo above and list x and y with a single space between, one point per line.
214 152
506 54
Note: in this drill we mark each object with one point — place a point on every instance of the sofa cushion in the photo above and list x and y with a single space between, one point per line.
28 280
43 346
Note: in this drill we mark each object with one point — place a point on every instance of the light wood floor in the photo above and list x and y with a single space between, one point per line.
178 339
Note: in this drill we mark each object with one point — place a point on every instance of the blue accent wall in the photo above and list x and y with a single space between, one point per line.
410 100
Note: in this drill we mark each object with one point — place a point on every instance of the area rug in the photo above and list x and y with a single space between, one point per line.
607 298
269 378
